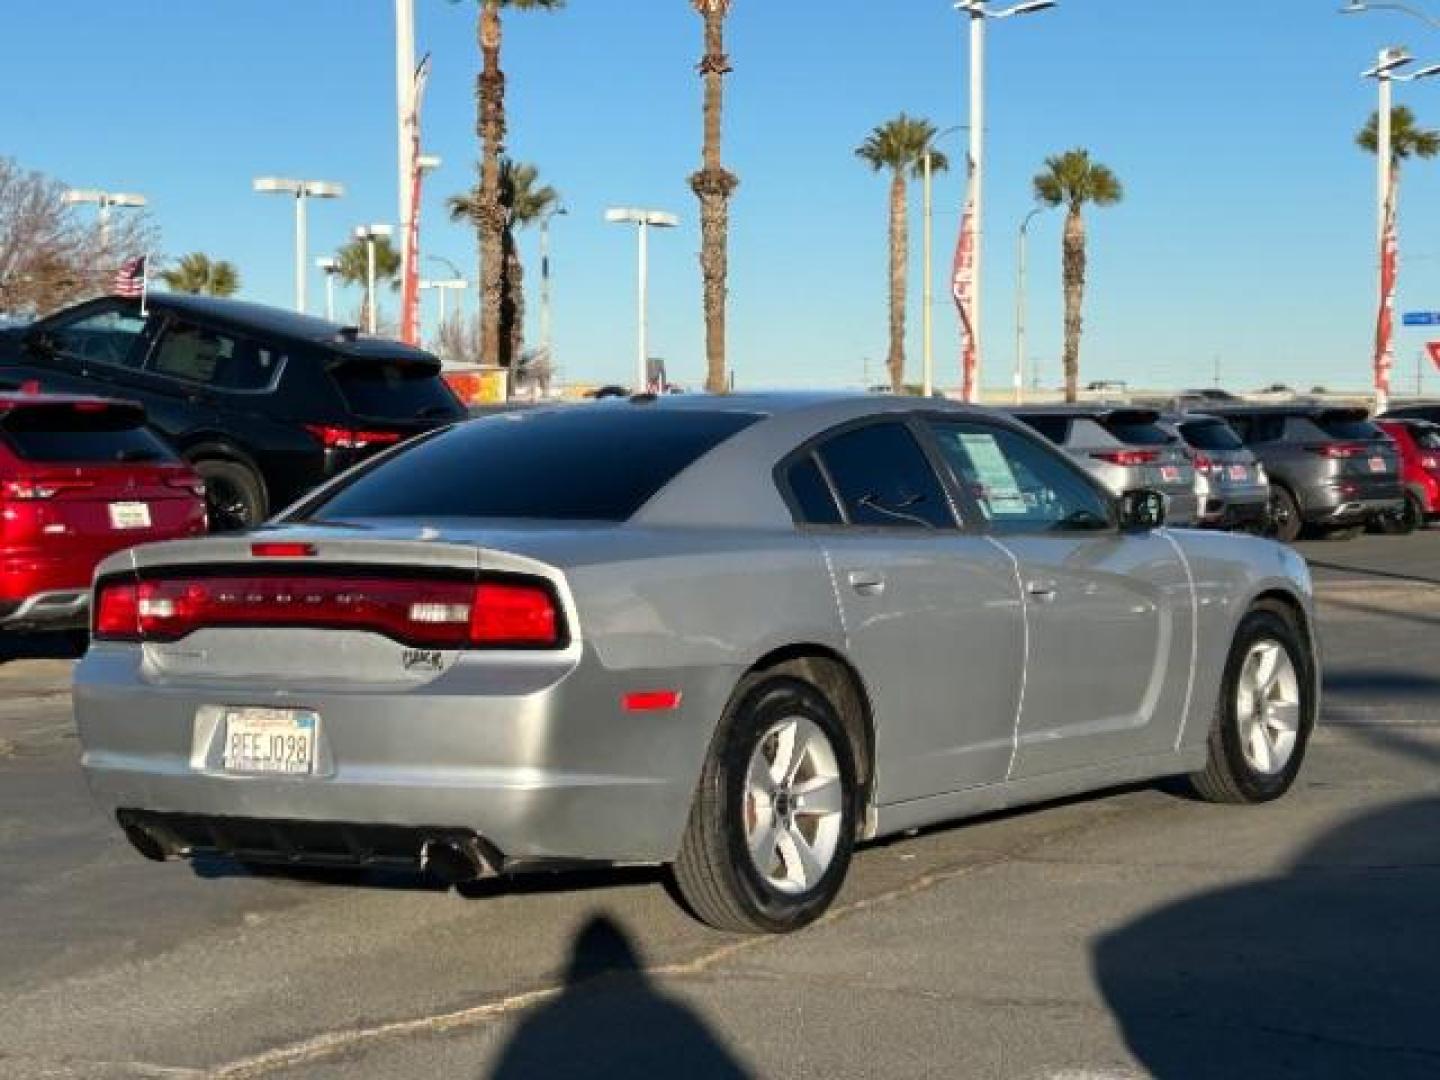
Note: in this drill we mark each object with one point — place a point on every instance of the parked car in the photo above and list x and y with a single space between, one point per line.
1124 448
1232 488
732 635
266 404
1330 468
1418 442
80 478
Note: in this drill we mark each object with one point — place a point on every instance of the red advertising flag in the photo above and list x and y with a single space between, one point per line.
410 242
1385 324
1433 348
962 287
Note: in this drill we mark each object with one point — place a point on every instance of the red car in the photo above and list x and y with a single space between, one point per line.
80 478
1419 444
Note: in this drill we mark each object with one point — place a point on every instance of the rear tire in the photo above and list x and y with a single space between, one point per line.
780 781
1406 521
1285 520
1265 714
234 496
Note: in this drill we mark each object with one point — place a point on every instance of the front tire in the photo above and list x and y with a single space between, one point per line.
773 824
1285 519
1265 714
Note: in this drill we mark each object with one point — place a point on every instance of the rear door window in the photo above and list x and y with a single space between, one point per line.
80 434
583 463
1210 435
395 390
884 478
201 355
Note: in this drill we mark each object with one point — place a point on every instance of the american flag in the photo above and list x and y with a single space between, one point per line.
130 279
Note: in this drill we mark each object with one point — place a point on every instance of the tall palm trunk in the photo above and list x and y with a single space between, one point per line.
1073 262
899 261
489 214
512 339
713 185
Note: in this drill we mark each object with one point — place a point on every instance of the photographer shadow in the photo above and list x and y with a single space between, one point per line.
610 1020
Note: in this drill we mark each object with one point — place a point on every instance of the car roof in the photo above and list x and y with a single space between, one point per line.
1292 408
284 323
1139 413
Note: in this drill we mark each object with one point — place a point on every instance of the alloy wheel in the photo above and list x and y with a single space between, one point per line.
794 805
1267 707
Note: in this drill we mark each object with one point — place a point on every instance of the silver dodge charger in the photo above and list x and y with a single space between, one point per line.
732 635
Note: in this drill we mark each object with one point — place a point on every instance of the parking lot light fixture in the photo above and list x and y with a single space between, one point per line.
103 201
1360 7
301 191
330 267
644 221
442 286
370 234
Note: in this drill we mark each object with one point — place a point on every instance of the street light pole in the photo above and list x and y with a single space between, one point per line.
1019 377
103 202
369 234
979 12
545 276
301 191
330 268
644 221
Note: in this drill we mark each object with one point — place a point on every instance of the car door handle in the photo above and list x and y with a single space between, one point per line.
867 582
1042 592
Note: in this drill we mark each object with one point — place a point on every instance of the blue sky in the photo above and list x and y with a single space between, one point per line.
1246 233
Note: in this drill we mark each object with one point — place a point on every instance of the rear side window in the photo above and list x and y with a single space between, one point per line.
83 434
1348 426
198 354
1258 429
1136 431
813 502
586 463
1054 428
885 479
395 390
1210 435
1426 436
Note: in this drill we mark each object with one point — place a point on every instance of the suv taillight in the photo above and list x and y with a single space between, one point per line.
1338 450
339 438
497 613
39 490
1127 457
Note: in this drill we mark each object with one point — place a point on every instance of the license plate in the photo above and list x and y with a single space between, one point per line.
1169 473
1238 472
1377 464
270 741
130 515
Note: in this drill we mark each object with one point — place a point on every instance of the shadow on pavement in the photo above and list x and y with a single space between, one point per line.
611 1021
1369 571
1377 684
1331 969
60 645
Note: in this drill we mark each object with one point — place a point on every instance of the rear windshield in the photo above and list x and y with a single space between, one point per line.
1136 431
586 463
66 434
1054 428
1210 435
1348 426
395 390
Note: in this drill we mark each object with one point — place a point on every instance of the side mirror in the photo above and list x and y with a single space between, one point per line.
1142 510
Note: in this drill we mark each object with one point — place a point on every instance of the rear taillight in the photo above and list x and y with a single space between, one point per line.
38 490
1127 457
1429 461
518 614
1203 462
1338 450
339 438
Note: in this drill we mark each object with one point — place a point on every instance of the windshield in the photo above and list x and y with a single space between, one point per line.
1136 430
74 434
1210 435
395 390
587 463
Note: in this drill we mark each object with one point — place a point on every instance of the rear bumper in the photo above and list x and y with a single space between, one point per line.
542 764
58 609
1224 514
1355 511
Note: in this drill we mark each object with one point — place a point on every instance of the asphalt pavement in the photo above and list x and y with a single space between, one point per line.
1133 933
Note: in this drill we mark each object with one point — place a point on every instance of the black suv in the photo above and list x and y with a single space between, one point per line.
1330 468
265 403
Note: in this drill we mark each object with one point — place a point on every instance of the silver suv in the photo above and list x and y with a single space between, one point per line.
1124 448
1331 469
1232 488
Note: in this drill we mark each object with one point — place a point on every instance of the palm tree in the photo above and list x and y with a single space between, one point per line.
489 215
199 274
713 186
1072 180
524 201
1407 139
352 264
899 145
